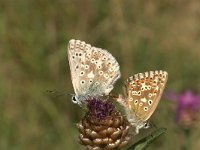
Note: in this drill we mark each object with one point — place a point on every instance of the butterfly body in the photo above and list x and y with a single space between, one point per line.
143 93
93 70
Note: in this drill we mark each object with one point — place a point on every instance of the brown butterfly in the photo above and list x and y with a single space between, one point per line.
143 93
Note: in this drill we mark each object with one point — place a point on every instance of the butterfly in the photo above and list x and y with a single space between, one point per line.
143 92
93 70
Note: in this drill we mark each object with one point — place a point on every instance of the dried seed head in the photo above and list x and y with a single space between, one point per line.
103 127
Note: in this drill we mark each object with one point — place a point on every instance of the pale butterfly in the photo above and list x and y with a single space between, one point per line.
93 70
143 93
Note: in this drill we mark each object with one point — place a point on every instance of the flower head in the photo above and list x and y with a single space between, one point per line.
99 109
188 105
103 127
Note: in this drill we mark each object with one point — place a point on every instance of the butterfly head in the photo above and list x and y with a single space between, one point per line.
75 99
80 99
140 125
146 125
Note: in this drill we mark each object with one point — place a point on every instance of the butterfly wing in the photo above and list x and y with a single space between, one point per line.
93 70
144 91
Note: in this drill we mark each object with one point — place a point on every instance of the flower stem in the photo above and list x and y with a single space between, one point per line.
187 141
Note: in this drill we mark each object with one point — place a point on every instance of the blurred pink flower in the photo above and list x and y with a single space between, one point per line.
188 105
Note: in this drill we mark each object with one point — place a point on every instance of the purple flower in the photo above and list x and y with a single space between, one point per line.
187 106
99 108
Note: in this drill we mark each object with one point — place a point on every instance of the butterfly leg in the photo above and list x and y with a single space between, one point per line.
122 101
114 97
137 128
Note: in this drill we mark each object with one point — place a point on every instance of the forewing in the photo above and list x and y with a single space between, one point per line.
144 92
93 70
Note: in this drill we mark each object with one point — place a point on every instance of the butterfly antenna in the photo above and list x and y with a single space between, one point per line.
55 93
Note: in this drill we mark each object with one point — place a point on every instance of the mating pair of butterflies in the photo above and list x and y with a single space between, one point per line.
94 72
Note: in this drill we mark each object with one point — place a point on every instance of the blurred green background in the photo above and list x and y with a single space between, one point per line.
143 35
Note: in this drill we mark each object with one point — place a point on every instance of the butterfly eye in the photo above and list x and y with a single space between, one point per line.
74 99
146 125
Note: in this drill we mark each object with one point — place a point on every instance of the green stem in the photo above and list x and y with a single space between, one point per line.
187 140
